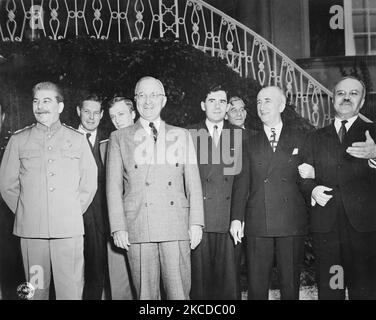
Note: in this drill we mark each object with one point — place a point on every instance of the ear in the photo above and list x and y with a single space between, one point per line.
245 113
61 107
282 106
203 107
362 103
101 114
164 101
78 111
133 115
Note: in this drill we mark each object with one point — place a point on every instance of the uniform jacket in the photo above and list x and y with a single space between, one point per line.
215 179
48 178
267 195
150 193
352 179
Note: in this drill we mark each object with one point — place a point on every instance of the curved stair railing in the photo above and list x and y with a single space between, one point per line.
193 21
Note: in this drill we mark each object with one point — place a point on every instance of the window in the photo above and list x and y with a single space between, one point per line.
360 27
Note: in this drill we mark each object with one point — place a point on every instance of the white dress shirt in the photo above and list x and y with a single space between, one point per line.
145 125
93 134
210 125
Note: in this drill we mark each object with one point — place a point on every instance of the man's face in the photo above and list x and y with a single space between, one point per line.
90 114
150 99
46 108
236 113
270 104
2 117
215 106
121 115
348 98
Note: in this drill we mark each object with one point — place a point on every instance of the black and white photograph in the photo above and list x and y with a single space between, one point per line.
205 152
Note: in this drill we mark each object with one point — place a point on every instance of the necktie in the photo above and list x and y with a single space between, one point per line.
88 135
154 131
342 131
216 135
273 139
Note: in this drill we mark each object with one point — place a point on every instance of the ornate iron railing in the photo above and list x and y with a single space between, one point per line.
193 21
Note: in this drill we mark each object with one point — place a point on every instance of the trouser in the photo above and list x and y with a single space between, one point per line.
150 261
119 273
95 255
345 258
214 268
64 257
289 253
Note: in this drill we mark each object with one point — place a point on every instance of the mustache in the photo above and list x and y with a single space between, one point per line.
41 111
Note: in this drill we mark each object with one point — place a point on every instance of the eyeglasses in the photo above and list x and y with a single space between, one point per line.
152 96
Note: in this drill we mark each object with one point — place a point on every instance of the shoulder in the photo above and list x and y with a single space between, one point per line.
72 130
24 130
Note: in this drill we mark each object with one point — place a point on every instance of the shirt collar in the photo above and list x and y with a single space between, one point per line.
145 124
278 129
349 123
93 134
210 125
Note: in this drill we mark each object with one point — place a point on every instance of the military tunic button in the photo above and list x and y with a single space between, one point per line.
51 174
50 160
169 183
49 136
135 166
52 189
147 184
172 203
49 148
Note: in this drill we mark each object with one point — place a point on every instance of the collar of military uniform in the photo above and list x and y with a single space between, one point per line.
53 128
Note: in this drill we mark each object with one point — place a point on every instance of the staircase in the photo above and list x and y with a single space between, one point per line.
193 21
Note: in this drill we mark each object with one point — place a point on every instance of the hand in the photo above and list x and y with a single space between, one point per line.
236 231
121 239
320 197
195 235
363 150
306 171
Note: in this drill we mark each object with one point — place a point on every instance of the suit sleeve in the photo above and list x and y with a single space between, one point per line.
114 185
88 176
9 174
193 185
308 156
241 184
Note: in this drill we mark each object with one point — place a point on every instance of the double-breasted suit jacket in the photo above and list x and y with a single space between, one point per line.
158 196
275 205
353 181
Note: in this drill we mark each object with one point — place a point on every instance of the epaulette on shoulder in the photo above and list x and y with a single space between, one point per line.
103 141
24 129
74 129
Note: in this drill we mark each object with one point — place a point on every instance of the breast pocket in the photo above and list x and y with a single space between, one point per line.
71 161
30 159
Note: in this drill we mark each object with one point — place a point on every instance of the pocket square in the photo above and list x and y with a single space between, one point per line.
295 151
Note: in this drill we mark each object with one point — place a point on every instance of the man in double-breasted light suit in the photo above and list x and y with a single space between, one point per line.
154 197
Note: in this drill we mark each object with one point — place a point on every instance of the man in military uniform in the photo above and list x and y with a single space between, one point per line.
48 178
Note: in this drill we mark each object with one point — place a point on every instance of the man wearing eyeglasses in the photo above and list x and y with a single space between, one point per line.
154 197
90 113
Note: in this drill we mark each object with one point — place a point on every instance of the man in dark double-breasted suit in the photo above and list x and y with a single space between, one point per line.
96 218
218 148
267 197
343 213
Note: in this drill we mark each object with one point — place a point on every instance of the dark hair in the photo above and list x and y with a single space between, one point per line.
128 102
91 97
49 86
214 88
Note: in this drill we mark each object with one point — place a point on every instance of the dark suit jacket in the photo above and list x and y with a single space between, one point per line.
266 193
215 180
97 211
352 180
